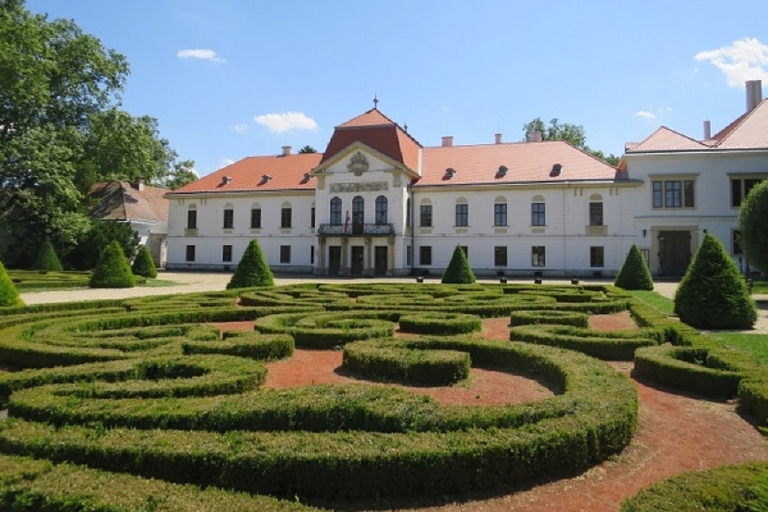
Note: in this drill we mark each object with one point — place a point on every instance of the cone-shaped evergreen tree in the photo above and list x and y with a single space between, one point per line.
9 296
112 269
143 264
712 294
252 269
458 270
634 274
47 259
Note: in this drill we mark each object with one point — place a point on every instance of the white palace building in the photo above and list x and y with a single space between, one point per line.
378 203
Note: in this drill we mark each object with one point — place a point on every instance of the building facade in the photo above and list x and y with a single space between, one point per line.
377 202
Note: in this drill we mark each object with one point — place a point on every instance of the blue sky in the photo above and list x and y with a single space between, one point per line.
228 79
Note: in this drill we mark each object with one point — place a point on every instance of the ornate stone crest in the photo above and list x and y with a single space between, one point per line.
358 164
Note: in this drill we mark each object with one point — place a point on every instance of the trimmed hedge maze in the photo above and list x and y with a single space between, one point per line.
149 394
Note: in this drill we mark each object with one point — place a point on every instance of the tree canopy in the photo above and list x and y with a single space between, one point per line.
753 230
307 149
572 133
61 128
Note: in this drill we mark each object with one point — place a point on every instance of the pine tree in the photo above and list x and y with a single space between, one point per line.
712 294
143 264
252 270
458 271
9 296
112 269
634 274
47 259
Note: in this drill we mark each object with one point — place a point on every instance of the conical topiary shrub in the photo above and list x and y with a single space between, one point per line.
458 270
252 269
143 264
634 274
9 295
112 269
712 294
47 259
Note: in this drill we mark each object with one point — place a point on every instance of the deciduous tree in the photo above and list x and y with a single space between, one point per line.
571 133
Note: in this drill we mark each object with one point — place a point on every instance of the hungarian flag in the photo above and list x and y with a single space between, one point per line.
346 222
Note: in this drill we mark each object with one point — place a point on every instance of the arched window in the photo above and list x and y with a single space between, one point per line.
500 211
596 210
538 211
336 211
358 215
462 212
381 210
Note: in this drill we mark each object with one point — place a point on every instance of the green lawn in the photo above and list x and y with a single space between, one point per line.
663 304
755 345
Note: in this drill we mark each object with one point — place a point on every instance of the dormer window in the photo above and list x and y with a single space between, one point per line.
502 171
556 170
226 180
449 173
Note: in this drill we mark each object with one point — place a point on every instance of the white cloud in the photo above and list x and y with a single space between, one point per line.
645 114
241 128
286 121
746 59
226 162
204 54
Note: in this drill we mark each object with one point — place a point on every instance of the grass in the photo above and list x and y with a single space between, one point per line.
754 345
760 287
653 299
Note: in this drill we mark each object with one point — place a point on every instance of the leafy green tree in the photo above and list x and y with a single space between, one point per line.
47 258
634 274
458 270
307 149
112 269
9 296
99 234
143 264
571 133
712 294
252 270
182 174
753 228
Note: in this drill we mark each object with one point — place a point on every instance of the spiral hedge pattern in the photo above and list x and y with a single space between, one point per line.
148 389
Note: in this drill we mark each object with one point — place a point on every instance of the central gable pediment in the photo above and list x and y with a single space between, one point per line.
357 160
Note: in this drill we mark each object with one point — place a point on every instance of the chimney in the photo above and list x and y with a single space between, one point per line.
287 150
534 136
448 141
754 93
140 184
707 130
498 138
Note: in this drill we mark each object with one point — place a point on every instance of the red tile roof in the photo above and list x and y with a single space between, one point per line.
377 131
258 173
120 200
665 139
525 162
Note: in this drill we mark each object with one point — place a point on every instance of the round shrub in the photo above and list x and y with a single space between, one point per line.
9 296
143 264
112 270
634 274
442 324
712 294
458 270
46 259
252 270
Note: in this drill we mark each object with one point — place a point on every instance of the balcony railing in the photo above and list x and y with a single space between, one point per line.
356 230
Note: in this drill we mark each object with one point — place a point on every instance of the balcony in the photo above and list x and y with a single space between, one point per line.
356 230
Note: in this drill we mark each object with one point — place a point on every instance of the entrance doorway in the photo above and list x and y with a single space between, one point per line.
357 260
334 260
380 260
674 252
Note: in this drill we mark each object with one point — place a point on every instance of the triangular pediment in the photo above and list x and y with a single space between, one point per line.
357 159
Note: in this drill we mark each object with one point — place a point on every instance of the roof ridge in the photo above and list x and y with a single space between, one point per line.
724 134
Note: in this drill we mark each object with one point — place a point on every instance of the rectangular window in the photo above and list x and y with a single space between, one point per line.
500 256
285 254
285 218
538 214
408 212
740 189
256 218
426 216
311 254
538 256
191 219
597 257
190 256
462 215
226 253
229 218
312 218
425 255
500 214
408 255
595 214
736 246
674 194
